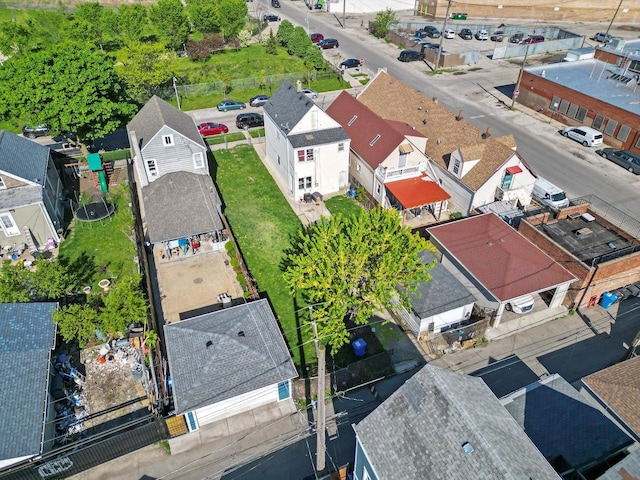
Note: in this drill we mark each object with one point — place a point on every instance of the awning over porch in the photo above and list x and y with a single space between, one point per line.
417 192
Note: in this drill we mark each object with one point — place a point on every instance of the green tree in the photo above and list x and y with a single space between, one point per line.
124 305
31 31
171 23
244 37
145 67
313 55
14 283
77 322
230 17
284 32
202 14
49 281
130 23
70 87
384 21
298 42
350 267
271 44
87 24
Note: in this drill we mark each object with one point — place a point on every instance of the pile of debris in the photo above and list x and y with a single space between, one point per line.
70 402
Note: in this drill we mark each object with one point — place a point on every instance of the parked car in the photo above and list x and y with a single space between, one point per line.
249 120
521 304
210 128
587 136
533 39
410 56
33 132
466 34
420 34
258 100
602 37
625 158
328 43
270 17
516 38
482 35
448 33
497 36
431 31
226 105
309 93
275 3
350 63
316 37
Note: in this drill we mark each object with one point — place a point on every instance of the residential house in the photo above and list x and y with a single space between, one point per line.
387 159
573 435
441 424
626 469
306 147
27 338
31 196
615 389
498 264
229 362
474 167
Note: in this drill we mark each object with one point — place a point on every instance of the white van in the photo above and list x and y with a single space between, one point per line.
548 194
587 136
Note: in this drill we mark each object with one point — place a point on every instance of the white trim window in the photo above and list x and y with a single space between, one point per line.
198 160
306 155
9 225
305 183
167 140
152 168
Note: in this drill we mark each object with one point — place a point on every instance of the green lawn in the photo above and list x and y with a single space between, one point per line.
104 249
342 205
263 223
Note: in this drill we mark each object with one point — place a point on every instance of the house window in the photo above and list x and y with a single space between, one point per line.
2 184
365 473
167 140
456 166
597 122
152 168
284 390
638 143
623 133
358 167
573 109
304 182
564 106
375 139
582 113
555 103
192 421
402 160
341 147
9 225
306 155
611 127
198 160
378 189
507 181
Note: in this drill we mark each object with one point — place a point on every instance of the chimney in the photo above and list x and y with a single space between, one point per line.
487 133
434 99
298 86
459 116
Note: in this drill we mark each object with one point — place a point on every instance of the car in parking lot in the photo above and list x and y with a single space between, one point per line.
498 36
602 37
587 136
258 100
328 43
482 35
226 105
350 63
625 158
431 31
275 3
521 304
533 39
410 56
316 37
249 120
270 17
466 34
448 33
309 93
210 128
37 131
516 38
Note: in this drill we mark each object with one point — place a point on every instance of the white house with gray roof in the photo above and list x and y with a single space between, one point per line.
227 363
442 425
308 149
31 194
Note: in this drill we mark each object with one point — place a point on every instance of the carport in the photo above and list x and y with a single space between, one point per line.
417 194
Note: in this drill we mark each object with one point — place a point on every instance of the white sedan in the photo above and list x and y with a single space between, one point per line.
448 33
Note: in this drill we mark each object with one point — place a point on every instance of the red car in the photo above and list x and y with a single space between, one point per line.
316 37
210 128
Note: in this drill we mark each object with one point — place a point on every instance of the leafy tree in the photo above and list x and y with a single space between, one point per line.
145 67
130 22
298 42
70 87
14 283
244 37
171 22
350 267
314 56
284 32
49 280
201 50
384 21
230 17
87 24
124 304
271 44
202 14
31 31
77 322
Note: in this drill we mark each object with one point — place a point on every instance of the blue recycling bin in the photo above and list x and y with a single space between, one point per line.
359 346
608 299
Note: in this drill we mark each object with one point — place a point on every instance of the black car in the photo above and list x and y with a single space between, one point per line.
248 120
258 100
431 31
466 34
328 43
270 17
410 56
275 3
350 63
33 132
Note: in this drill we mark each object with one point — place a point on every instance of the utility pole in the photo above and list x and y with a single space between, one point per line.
444 27
344 11
516 91
320 414
612 19
175 89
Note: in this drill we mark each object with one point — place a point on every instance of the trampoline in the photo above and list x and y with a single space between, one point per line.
95 211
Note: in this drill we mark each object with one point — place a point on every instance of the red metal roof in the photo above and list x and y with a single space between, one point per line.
513 170
417 191
501 259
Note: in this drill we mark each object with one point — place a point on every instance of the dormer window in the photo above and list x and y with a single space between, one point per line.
456 166
167 140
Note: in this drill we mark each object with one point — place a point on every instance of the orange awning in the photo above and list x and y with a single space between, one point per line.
417 191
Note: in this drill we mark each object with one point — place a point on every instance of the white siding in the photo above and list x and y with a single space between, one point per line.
236 405
446 318
314 119
461 196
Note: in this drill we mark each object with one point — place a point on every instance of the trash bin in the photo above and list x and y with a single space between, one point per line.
359 346
608 299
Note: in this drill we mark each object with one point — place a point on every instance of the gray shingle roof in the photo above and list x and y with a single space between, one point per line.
232 364
179 205
560 421
441 294
287 107
155 114
627 469
27 336
23 158
419 431
318 137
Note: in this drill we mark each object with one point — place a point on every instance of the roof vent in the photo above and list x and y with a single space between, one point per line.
467 448
435 99
438 141
459 116
419 108
487 133
209 344
424 121
490 244
241 333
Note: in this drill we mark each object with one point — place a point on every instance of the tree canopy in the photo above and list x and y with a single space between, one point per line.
145 67
171 22
230 17
385 20
350 267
